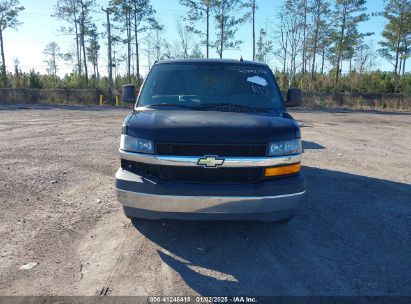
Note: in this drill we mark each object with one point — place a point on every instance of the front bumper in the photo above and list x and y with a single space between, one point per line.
156 199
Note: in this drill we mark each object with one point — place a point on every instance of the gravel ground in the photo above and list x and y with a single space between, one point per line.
58 209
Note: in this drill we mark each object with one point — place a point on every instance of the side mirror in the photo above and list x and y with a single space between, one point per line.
294 98
129 93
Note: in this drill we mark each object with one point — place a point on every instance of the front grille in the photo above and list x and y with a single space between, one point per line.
218 150
195 174
139 168
207 175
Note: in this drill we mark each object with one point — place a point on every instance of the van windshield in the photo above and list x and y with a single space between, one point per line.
206 85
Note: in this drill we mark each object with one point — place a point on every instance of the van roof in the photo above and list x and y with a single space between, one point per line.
212 60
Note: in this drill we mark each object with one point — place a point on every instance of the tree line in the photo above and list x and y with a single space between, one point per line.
317 43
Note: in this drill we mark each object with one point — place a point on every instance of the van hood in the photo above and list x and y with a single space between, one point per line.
209 127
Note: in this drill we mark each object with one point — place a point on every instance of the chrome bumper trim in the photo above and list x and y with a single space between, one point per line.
211 204
192 161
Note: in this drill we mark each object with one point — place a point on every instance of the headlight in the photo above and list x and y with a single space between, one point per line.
135 144
288 147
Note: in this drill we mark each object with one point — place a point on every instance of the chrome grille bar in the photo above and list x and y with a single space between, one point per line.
192 161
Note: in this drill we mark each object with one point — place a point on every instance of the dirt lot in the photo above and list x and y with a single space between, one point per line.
58 209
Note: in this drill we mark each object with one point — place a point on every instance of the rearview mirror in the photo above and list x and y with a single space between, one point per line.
294 98
129 93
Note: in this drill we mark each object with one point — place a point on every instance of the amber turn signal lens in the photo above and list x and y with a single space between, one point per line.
285 170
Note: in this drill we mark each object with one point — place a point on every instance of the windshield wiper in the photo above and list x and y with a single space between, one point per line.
226 104
170 105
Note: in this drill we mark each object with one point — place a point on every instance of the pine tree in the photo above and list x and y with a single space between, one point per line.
264 47
199 11
226 25
77 13
93 50
68 11
281 36
347 16
320 12
397 33
295 35
9 13
52 54
85 22
135 18
251 7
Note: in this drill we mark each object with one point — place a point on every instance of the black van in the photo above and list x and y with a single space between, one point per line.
211 139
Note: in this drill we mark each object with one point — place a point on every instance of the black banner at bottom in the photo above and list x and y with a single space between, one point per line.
207 299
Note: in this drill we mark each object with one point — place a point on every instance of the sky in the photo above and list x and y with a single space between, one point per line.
39 28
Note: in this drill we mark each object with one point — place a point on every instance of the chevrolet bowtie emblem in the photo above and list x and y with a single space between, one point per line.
210 162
